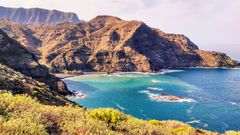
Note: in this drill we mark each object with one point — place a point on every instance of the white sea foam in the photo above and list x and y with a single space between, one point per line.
155 81
128 74
193 121
205 125
144 91
78 95
198 122
166 71
120 107
137 74
226 125
189 111
154 88
165 98
233 103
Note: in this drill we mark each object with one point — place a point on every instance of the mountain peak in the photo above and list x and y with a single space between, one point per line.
37 15
105 19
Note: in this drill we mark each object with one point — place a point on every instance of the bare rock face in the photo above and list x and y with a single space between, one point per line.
22 34
37 15
108 43
15 56
17 83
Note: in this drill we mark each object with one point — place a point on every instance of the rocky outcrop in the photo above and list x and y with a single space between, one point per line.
37 15
17 83
15 56
108 43
22 34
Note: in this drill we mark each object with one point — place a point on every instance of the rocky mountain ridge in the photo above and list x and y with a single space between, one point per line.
37 15
17 57
107 43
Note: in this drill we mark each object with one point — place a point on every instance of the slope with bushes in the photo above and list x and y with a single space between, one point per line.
20 114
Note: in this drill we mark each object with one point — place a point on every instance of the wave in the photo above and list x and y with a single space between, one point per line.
234 103
154 88
128 74
77 95
119 106
189 111
193 121
145 91
166 71
198 122
135 74
155 81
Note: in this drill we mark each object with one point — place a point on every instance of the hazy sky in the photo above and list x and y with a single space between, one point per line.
211 24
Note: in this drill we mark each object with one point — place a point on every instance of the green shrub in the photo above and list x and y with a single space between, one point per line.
232 133
108 115
21 126
155 122
20 114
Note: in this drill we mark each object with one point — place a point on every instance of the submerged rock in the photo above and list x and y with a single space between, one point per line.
169 98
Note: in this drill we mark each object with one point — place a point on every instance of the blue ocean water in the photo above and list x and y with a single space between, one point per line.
216 93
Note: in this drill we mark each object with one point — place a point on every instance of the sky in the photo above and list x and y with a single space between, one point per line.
211 24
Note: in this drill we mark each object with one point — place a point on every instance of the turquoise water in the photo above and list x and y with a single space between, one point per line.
216 93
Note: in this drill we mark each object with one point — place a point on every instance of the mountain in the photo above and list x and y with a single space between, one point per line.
17 57
22 34
37 15
107 43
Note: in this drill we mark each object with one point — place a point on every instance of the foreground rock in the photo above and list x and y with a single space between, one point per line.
110 44
17 83
15 56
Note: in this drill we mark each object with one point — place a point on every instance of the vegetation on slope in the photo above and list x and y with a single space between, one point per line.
20 114
17 83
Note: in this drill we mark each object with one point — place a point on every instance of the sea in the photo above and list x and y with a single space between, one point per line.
213 95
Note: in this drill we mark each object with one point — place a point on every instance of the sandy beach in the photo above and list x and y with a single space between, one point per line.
67 75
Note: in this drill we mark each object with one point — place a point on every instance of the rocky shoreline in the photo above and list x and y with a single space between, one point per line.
169 98
77 96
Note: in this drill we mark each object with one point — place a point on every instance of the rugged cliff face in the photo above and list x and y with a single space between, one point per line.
108 43
22 34
15 56
18 83
37 15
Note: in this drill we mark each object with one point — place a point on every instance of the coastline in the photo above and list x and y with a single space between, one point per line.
69 75
163 71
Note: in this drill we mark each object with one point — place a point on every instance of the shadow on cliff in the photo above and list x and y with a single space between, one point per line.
160 52
76 86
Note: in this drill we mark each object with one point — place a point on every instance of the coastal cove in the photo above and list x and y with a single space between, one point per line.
211 96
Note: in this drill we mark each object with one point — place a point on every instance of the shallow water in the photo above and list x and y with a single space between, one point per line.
216 93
